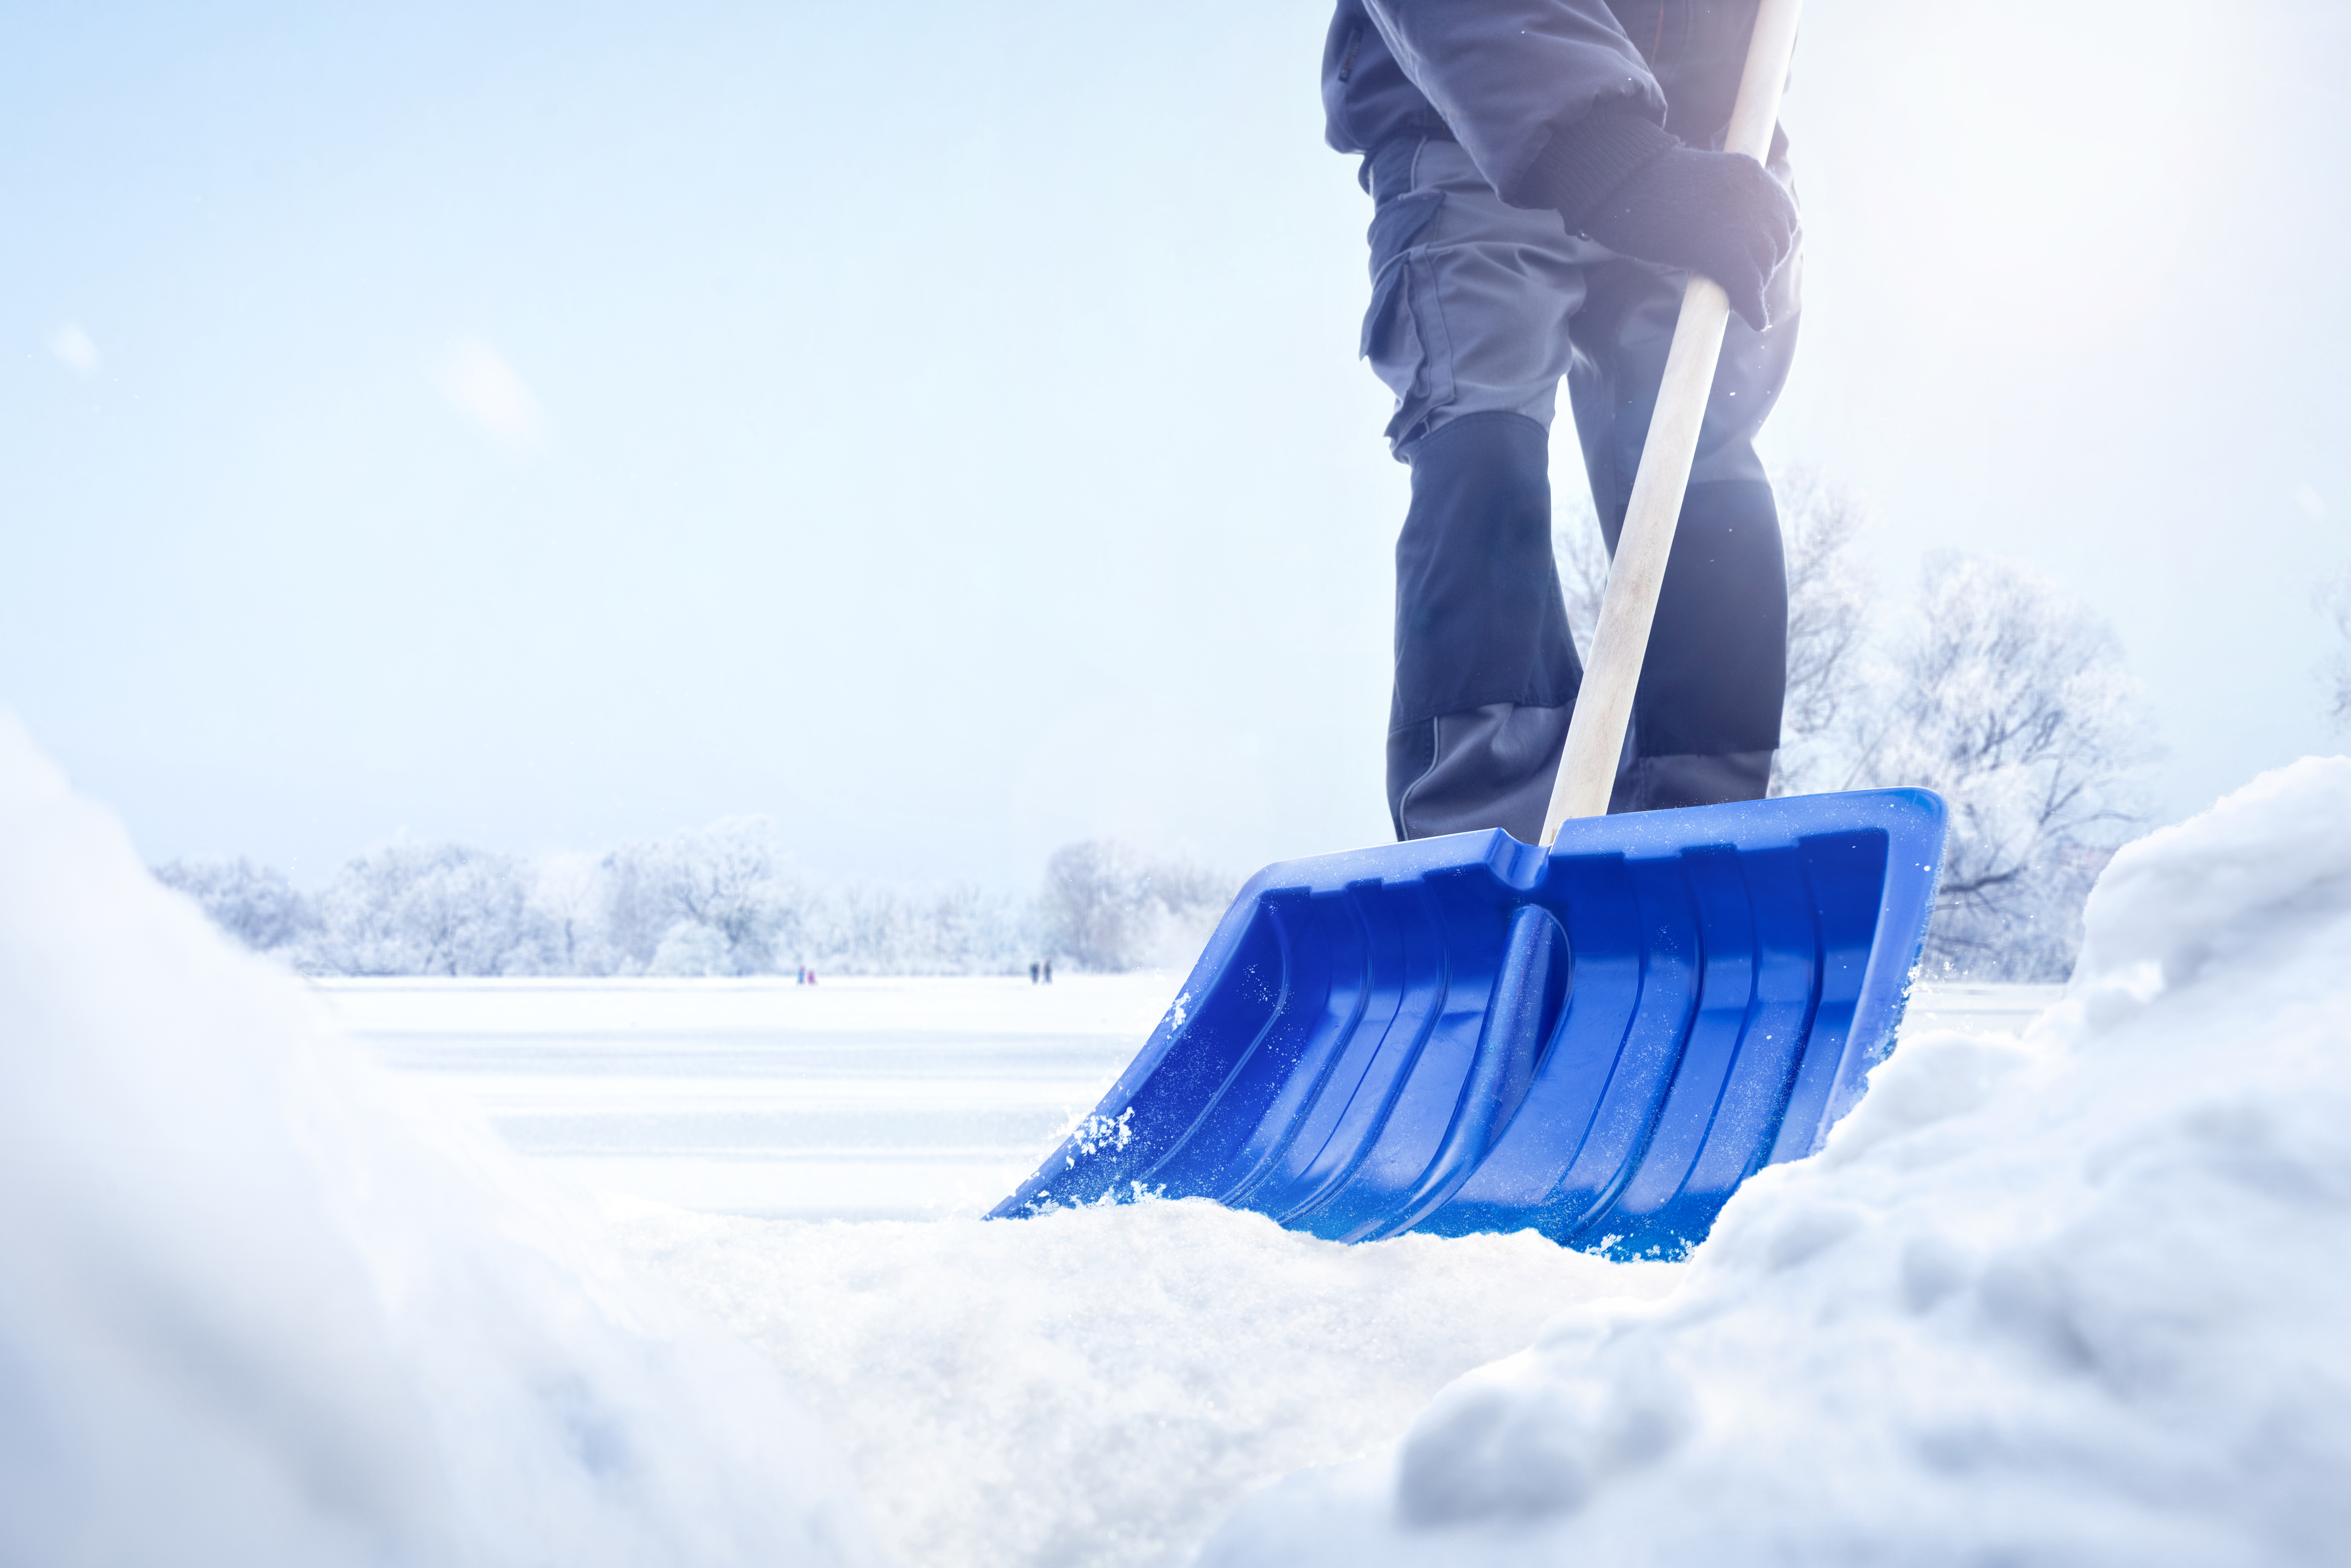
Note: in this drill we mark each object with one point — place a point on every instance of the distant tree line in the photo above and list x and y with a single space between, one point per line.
721 901
1990 685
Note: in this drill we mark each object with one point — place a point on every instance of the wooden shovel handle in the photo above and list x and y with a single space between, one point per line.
1595 734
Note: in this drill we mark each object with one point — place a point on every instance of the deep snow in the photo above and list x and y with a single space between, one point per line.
2076 1298
2070 1298
258 1306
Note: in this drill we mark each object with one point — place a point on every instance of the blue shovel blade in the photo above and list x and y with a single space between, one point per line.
1599 1042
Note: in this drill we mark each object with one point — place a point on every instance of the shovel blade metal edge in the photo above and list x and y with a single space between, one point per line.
1599 1042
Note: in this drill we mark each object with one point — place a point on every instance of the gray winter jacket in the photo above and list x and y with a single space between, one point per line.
1548 97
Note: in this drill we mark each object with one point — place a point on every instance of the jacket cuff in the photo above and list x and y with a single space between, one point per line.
1583 164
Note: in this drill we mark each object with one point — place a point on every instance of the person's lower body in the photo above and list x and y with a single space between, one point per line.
1479 310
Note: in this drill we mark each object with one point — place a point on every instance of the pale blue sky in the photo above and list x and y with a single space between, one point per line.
939 428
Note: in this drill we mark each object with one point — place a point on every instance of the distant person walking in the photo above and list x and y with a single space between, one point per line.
1032 972
1543 183
1048 971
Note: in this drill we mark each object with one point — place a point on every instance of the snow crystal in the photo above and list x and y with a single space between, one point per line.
2072 1297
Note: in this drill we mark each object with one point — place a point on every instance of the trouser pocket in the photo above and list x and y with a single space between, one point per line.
1403 330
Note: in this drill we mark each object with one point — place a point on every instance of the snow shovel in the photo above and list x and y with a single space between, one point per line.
1599 1038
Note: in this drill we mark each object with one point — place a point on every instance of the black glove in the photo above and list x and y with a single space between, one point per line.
1715 213
1624 182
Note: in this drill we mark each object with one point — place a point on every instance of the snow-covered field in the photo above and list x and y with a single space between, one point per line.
856 1099
851 1099
562 1285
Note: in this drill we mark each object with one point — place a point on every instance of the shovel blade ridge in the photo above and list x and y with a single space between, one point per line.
1600 1041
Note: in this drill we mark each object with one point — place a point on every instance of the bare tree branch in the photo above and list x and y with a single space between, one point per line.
2011 700
1821 521
2333 598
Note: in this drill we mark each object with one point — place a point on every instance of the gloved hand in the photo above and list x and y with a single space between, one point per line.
1715 213
1619 178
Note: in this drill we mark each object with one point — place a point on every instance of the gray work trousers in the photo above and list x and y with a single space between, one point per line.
1478 309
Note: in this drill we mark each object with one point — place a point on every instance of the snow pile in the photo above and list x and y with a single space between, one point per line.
257 1308
1094 1389
2076 1298
2070 1298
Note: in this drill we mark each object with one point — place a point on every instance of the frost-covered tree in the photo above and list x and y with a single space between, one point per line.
567 896
2010 699
1096 907
1582 557
2335 602
1108 906
1999 692
874 929
427 909
257 905
728 879
690 950
973 931
860 927
720 900
1829 594
1829 591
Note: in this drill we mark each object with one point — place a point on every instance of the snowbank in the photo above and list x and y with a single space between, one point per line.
2080 1297
257 1308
